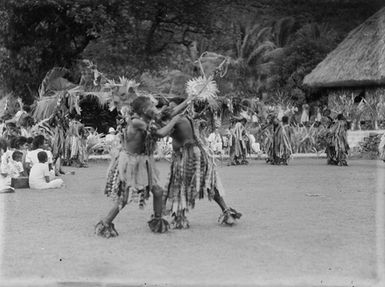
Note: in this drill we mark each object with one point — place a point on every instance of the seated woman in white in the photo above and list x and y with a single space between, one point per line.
39 177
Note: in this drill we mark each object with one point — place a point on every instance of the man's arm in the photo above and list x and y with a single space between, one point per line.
179 108
162 132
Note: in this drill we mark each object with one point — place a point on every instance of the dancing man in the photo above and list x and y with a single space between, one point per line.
338 146
238 143
132 173
193 171
279 146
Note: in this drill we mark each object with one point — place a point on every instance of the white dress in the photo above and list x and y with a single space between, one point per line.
37 176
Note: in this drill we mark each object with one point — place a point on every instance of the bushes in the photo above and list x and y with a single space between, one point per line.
369 146
303 139
308 139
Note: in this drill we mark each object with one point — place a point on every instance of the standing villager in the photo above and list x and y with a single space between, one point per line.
305 117
75 144
132 173
238 144
338 147
60 126
327 122
215 142
279 147
381 148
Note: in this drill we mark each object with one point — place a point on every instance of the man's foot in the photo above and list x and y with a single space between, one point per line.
245 162
158 225
229 216
106 231
343 163
180 222
61 171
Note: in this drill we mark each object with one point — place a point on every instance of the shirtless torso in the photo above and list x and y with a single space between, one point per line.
134 136
182 133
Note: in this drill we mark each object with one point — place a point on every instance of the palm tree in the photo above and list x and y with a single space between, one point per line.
257 47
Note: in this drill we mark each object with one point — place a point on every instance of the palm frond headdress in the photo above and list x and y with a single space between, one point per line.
204 89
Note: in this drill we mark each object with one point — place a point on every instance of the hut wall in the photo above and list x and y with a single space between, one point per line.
344 101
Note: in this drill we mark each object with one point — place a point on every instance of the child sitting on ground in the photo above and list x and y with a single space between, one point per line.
39 177
15 165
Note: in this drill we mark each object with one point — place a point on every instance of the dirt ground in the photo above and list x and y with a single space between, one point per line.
304 224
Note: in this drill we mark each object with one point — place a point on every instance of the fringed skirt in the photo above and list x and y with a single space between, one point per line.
130 177
193 175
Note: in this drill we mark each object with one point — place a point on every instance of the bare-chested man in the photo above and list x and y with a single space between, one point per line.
132 173
193 172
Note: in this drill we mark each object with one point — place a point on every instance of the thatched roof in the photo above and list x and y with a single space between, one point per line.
359 60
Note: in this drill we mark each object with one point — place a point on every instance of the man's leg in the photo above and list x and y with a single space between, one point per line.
157 223
229 215
105 227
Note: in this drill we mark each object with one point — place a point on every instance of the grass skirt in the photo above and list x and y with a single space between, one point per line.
337 144
130 178
278 146
193 175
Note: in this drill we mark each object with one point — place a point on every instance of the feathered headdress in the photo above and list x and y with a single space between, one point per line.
202 89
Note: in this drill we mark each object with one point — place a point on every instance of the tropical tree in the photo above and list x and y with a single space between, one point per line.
38 35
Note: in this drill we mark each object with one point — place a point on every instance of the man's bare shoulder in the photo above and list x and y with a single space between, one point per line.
138 124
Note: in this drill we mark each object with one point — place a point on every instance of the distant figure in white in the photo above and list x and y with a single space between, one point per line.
215 142
305 114
112 140
255 146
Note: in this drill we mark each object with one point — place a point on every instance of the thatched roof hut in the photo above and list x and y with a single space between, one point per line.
359 60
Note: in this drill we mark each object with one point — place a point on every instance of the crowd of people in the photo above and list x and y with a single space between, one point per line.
33 153
27 163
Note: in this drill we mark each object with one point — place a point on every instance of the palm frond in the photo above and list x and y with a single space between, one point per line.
260 50
51 75
47 106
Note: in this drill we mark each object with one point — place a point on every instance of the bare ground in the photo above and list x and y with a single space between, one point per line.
305 224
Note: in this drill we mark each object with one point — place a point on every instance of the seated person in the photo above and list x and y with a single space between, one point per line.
39 177
38 145
15 165
4 186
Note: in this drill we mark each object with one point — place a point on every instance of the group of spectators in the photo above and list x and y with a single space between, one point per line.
26 162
